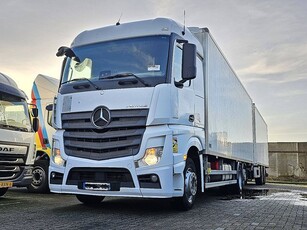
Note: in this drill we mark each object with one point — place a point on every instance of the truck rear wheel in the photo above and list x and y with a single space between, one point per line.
187 201
40 177
261 180
3 191
90 200
264 175
238 187
240 181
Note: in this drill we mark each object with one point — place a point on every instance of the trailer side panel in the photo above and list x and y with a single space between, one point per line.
230 129
261 156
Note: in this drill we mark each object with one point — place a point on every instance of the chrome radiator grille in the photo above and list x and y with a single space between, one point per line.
10 166
121 137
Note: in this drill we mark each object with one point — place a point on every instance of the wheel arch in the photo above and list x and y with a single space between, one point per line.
42 155
193 152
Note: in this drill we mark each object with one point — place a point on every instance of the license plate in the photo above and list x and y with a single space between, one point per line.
97 186
6 184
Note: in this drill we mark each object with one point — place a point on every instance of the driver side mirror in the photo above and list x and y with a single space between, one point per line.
188 62
49 107
35 124
68 52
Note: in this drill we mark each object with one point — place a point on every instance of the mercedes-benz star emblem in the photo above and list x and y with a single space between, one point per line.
101 117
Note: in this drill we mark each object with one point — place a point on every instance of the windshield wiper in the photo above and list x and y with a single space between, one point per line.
12 127
83 78
123 75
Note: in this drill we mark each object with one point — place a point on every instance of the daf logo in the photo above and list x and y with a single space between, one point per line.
5 149
101 117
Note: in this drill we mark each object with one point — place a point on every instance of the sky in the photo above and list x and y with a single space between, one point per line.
265 42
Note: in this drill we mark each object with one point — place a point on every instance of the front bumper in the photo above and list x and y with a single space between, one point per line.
24 179
136 182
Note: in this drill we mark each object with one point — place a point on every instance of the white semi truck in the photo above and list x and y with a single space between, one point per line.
152 109
17 151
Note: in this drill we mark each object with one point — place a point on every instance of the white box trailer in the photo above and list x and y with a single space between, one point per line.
261 158
235 128
229 107
152 109
17 151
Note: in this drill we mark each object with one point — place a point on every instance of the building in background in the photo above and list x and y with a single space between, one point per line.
288 159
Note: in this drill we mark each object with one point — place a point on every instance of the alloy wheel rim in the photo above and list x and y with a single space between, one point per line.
37 176
190 185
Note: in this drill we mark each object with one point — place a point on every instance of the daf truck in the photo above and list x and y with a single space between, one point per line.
17 151
152 109
43 92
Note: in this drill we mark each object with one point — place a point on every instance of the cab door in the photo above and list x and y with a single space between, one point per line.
183 97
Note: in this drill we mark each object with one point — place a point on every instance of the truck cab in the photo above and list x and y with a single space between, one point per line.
17 152
44 90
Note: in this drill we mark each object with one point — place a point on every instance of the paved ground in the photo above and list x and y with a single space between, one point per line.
262 207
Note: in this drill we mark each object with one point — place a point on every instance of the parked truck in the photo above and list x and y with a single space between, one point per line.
152 109
43 92
17 151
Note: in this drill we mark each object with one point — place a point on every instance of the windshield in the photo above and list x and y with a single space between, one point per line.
14 113
144 57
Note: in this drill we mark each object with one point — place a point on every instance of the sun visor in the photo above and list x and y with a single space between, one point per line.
12 91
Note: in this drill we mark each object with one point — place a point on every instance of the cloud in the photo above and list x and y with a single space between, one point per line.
292 93
287 124
282 58
261 67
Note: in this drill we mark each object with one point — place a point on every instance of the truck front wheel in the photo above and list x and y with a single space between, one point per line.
90 200
3 191
187 201
40 179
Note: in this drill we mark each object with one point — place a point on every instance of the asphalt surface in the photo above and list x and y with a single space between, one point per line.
271 206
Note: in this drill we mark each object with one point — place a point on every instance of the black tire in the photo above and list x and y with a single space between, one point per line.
187 201
3 191
264 176
90 200
40 177
260 180
238 187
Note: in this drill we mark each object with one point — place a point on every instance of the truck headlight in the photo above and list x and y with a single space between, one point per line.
56 154
152 156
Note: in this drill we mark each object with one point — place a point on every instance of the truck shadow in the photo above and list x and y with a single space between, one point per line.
136 206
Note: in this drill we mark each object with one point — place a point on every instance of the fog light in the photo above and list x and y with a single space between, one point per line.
154 178
56 178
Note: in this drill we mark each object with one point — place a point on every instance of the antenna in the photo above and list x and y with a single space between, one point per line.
183 32
118 22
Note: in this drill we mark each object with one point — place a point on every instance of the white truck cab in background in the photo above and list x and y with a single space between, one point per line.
17 151
44 90
152 109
